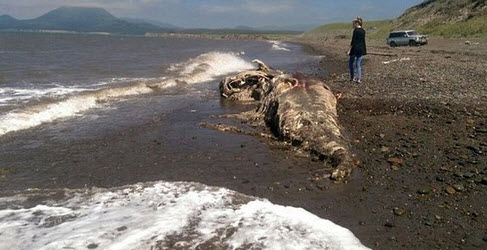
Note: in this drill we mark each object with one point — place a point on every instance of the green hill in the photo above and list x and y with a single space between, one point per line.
447 18
444 18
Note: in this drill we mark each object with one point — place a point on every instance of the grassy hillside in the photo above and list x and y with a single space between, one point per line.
447 18
375 30
443 18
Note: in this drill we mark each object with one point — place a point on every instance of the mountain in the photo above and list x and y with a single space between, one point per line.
458 18
79 19
243 27
162 25
8 21
295 27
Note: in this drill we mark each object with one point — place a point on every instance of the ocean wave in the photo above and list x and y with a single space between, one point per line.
19 94
165 215
203 68
277 45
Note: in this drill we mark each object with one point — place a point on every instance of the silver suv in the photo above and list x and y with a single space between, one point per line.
406 37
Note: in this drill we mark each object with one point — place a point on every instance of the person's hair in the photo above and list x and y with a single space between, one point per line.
359 21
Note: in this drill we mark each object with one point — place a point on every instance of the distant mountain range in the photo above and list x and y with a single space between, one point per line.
153 22
297 27
83 19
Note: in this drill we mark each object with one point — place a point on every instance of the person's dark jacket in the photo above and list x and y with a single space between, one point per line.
358 43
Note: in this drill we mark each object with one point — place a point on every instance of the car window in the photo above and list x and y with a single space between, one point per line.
412 33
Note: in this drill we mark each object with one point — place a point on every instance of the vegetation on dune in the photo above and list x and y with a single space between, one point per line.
447 18
474 28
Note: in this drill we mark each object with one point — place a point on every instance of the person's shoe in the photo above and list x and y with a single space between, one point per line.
358 81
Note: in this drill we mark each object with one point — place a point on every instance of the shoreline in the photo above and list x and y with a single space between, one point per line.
411 153
421 143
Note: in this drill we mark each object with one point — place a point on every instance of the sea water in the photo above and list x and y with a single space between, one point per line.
65 86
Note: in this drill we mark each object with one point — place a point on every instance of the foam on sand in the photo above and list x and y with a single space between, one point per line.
203 68
164 215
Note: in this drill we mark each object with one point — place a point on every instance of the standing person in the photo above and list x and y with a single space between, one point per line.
357 50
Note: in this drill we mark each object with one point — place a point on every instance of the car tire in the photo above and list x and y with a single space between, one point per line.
393 44
412 43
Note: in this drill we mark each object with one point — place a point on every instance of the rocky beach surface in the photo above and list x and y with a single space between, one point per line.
418 123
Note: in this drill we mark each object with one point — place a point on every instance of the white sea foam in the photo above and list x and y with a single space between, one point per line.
207 66
277 45
74 105
165 215
200 69
16 94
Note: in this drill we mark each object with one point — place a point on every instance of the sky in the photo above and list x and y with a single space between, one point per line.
224 13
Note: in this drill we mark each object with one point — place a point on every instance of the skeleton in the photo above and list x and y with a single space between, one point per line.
298 109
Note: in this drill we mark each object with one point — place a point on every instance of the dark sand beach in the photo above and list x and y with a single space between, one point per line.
418 127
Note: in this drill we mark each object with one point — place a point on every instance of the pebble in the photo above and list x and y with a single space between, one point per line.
475 150
399 211
394 167
437 217
428 223
424 190
468 175
484 180
395 161
440 179
459 187
389 224
450 190
485 239
122 228
92 246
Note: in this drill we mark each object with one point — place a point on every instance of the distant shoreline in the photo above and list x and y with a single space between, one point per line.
59 32
216 34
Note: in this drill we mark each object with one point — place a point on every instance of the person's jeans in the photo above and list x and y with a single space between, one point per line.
358 61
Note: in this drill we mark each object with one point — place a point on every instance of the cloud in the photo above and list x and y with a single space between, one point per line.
223 13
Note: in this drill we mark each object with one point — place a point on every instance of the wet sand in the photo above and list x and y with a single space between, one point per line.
411 151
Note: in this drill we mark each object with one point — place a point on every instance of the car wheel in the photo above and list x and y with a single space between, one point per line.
412 43
393 44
